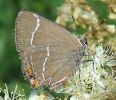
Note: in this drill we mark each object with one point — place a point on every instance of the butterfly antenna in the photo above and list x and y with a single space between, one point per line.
74 21
84 39
94 28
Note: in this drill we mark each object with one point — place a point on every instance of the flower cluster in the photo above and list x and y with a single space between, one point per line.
97 77
13 95
87 15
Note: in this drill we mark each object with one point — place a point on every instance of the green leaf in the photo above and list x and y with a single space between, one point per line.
110 21
60 96
100 8
80 30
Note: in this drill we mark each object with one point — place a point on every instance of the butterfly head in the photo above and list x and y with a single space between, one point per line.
84 46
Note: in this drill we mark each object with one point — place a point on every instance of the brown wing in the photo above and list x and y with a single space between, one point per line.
48 45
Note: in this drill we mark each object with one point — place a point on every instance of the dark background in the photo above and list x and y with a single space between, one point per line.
10 64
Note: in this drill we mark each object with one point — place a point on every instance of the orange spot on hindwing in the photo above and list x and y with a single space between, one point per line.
29 71
35 83
30 75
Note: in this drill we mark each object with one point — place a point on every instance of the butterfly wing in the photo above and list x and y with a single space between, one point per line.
46 45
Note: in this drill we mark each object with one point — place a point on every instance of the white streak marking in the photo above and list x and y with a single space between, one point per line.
33 33
48 51
63 79
48 54
43 76
45 63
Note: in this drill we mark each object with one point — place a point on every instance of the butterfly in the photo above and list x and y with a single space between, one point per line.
49 53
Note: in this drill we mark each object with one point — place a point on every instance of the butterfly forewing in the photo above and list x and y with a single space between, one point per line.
46 45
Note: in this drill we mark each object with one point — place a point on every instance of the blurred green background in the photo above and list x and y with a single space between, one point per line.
10 64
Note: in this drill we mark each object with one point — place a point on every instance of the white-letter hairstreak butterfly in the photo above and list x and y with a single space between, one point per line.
49 53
